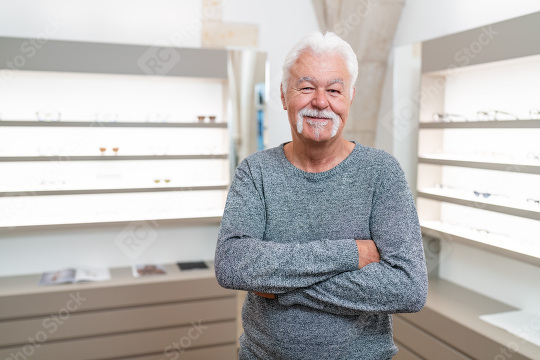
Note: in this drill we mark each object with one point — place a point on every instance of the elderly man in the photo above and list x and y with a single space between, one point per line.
322 232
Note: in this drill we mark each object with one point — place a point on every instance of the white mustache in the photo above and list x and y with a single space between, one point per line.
321 114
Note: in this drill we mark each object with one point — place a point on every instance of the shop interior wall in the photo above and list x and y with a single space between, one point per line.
151 22
501 278
172 22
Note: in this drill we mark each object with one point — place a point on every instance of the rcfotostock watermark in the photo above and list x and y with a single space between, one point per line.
364 8
136 238
526 333
173 351
49 326
401 119
29 49
463 57
159 60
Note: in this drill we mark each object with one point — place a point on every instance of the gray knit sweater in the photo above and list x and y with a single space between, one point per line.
291 233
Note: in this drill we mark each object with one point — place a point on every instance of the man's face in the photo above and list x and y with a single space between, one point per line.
318 99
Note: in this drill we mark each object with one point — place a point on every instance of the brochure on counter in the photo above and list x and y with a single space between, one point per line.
140 270
74 275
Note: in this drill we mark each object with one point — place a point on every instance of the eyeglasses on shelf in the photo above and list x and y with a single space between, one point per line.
157 118
491 115
533 201
533 156
48 116
104 149
447 117
106 117
485 195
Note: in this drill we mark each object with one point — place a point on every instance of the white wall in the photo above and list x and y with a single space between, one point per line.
174 22
427 19
152 22
159 22
281 24
504 279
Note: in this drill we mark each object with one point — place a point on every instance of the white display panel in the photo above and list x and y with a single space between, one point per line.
478 177
103 208
93 148
109 97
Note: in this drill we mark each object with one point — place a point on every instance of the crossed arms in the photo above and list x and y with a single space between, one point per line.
344 276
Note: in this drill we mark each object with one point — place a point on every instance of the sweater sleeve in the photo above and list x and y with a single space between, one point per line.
244 261
398 283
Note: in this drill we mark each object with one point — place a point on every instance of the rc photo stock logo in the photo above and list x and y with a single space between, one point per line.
49 326
400 120
136 238
176 348
158 60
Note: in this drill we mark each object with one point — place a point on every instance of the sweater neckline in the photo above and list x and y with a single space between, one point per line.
318 175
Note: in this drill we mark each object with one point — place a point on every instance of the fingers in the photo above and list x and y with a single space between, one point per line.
265 295
367 252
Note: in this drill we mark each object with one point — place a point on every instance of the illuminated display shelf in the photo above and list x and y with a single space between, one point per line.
114 124
498 157
496 244
497 124
477 192
53 171
496 206
526 168
111 191
112 157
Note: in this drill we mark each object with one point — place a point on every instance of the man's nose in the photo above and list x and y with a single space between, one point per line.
319 99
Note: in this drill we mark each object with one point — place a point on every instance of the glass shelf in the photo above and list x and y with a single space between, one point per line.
101 144
24 211
111 143
501 206
114 124
480 163
112 157
527 250
498 124
30 192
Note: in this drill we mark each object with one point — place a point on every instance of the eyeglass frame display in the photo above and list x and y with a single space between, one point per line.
492 115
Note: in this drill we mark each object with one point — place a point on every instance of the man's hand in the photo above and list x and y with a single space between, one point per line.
367 252
265 295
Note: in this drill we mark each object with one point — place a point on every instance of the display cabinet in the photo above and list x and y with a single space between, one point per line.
93 132
478 172
180 315
478 143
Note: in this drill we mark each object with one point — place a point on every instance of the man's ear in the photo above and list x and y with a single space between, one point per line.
352 95
282 97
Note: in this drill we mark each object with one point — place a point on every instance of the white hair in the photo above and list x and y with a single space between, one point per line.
319 44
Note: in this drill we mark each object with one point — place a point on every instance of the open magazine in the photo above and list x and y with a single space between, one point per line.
74 275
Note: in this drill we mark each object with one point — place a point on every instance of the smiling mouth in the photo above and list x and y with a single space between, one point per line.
317 118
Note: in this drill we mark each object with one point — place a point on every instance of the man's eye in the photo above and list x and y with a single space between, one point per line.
307 88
